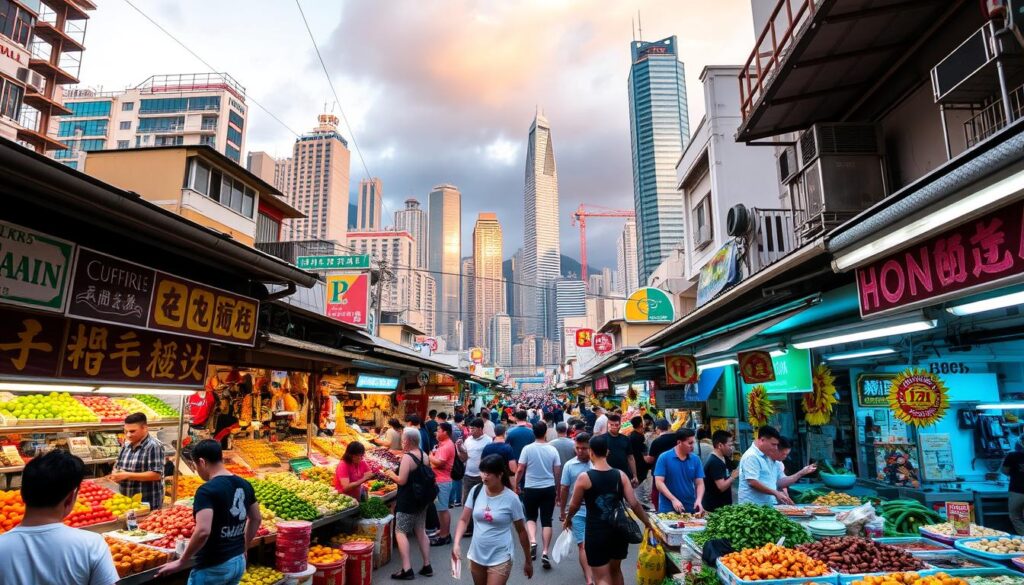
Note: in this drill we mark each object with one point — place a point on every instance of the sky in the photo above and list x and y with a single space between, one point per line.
436 91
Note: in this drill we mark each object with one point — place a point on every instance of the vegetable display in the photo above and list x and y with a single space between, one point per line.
855 555
836 499
910 579
996 580
373 508
750 526
772 562
999 546
705 576
905 517
318 495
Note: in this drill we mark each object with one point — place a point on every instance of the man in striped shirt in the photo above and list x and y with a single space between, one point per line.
140 465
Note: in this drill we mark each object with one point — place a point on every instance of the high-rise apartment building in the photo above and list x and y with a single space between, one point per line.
659 129
405 290
516 295
164 110
542 260
500 340
487 283
608 275
595 285
41 45
370 205
626 273
413 219
570 300
318 183
468 311
524 353
275 171
444 252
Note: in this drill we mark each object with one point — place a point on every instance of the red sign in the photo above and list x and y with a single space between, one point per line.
189 308
603 343
680 369
984 251
601 384
584 337
756 367
348 298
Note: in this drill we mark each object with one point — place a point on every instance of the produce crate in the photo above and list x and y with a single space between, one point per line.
381 532
898 540
727 577
934 557
944 539
673 537
961 545
688 541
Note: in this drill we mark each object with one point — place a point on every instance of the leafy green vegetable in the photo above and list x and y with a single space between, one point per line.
705 576
373 508
750 526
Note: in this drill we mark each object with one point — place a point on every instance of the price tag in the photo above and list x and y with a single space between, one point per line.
79 446
11 452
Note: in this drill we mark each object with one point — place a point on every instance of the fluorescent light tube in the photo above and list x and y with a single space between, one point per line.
1000 302
1001 406
860 353
777 352
718 364
616 368
144 390
45 388
901 329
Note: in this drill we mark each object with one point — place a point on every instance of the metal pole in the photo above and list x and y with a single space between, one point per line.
177 452
1003 91
945 131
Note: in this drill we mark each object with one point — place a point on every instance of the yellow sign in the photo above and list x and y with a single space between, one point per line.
649 305
918 397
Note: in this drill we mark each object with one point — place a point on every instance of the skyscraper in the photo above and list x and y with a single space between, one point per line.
659 128
319 183
407 290
500 340
368 209
468 304
541 251
570 301
626 280
444 245
413 219
487 283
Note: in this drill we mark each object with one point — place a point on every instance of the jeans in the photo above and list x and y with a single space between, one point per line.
456 496
1016 506
227 573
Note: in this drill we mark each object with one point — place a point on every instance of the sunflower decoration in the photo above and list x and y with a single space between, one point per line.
918 397
759 408
819 402
632 394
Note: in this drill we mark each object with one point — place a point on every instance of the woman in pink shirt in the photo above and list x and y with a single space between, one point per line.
352 471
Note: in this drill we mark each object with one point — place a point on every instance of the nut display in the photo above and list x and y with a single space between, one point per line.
947 529
999 546
836 499
772 561
855 555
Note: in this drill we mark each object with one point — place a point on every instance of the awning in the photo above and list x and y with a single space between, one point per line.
728 342
706 383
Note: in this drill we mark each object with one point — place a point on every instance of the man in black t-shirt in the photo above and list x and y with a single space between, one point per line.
1013 466
620 453
227 518
719 472
638 447
664 440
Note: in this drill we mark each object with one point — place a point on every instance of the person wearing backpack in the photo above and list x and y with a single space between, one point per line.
417 489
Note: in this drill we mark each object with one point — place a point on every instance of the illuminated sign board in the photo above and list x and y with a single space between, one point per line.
369 382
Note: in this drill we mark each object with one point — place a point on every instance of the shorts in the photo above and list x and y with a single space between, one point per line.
407 523
579 528
502 569
444 495
539 501
602 545
230 571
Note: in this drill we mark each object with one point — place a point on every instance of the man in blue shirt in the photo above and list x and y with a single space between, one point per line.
679 476
759 471
520 435
572 469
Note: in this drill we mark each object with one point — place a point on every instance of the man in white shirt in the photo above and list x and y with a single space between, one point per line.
42 550
601 424
485 415
759 472
470 450
540 465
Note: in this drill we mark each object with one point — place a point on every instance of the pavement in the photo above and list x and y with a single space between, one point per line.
568 572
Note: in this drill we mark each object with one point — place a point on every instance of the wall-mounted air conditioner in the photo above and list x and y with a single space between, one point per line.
32 79
787 164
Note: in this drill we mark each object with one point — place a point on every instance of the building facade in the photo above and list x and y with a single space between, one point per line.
659 129
444 252
524 353
542 262
370 205
468 312
487 282
570 301
405 291
626 270
317 176
164 110
413 219
500 340
275 171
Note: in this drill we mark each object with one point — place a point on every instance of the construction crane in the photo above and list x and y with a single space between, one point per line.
579 217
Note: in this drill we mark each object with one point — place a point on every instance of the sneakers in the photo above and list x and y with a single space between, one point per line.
427 571
545 562
533 551
406 575
441 541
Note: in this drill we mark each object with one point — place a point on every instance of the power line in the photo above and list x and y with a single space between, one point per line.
334 91
205 62
501 280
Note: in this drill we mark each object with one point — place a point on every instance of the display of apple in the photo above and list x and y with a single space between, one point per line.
104 407
47 407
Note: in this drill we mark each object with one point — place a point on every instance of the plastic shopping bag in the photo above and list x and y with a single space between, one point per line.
650 562
564 545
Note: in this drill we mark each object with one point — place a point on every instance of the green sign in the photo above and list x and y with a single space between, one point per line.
34 268
873 389
792 373
358 261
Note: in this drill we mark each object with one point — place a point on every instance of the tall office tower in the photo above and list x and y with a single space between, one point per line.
524 353
542 260
626 275
595 285
609 281
659 128
371 202
487 283
468 312
570 301
444 251
517 294
409 289
413 219
41 52
500 340
319 183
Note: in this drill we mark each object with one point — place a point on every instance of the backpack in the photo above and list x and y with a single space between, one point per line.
458 469
422 484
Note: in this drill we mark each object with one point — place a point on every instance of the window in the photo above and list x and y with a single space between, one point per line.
208 140
233 153
702 235
15 22
168 124
127 106
127 125
234 136
199 177
169 140
236 119
162 105
78 145
209 123
87 128
88 109
10 98
267 228
216 183
204 103
123 144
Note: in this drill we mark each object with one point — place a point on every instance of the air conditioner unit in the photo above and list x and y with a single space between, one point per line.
32 79
787 164
838 139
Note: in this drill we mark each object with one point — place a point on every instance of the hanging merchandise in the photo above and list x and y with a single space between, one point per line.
759 408
918 397
818 404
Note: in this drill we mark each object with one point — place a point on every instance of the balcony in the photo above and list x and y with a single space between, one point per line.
289 251
70 37
770 239
819 60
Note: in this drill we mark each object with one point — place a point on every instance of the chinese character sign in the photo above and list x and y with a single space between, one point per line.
603 343
981 252
30 344
188 308
756 367
918 397
584 337
679 370
348 298
111 290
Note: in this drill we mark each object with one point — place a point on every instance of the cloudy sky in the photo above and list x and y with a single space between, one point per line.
436 90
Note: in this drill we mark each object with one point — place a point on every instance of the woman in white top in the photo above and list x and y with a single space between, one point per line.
495 510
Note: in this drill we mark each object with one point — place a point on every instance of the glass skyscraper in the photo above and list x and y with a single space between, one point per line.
542 256
444 245
659 128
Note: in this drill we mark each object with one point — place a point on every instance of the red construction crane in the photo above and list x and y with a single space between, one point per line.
580 217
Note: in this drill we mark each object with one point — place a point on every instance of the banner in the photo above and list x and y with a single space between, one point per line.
718 274
756 367
584 337
35 268
603 343
680 370
348 298
111 290
918 397
189 308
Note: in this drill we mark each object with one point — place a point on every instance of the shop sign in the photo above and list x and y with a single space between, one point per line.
681 369
756 367
718 274
670 398
603 343
55 347
355 262
649 305
584 338
918 397
569 341
430 342
371 382
978 255
34 268
873 389
189 308
439 379
348 298
110 290
792 373
476 355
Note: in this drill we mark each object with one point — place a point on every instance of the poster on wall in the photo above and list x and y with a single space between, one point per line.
820 447
936 457
897 465
918 397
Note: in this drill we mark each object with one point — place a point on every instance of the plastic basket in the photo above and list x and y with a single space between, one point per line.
934 557
961 545
330 573
727 577
688 541
898 540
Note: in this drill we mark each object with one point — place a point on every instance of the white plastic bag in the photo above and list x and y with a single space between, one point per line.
857 518
564 545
